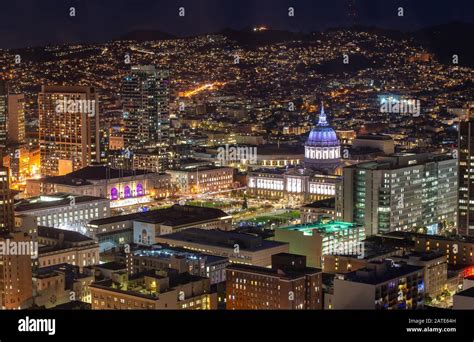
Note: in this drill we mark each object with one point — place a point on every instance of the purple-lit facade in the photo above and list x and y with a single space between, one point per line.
120 186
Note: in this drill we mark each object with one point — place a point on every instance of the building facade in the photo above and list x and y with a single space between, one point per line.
121 187
401 192
16 118
240 248
380 286
315 240
202 179
466 177
154 290
315 180
64 211
145 99
288 285
68 128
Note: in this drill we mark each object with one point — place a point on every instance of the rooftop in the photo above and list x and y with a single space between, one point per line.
273 272
323 227
51 201
374 137
112 266
219 238
401 160
162 251
380 272
66 235
466 293
95 172
328 203
175 215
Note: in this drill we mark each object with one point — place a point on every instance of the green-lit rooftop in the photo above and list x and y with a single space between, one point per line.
322 227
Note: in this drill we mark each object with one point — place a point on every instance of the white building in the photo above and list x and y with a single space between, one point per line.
401 192
65 211
316 180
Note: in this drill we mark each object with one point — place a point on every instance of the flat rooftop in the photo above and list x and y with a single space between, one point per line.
413 236
161 251
321 227
400 161
51 201
370 276
67 235
225 239
374 137
329 203
89 174
175 215
466 293
273 272
112 266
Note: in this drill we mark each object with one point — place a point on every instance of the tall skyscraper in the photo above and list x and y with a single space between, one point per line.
68 128
15 255
16 118
3 114
402 192
16 285
145 92
466 178
6 211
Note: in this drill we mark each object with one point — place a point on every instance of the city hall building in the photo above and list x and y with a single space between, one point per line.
316 180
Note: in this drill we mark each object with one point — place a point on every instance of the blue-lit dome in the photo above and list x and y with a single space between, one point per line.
322 149
322 135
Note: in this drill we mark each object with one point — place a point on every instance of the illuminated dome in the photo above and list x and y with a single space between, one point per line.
322 149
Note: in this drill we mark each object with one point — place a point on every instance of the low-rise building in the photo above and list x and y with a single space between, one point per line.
159 257
60 284
318 210
58 246
202 179
238 247
65 211
464 300
289 284
146 226
382 286
154 290
436 270
321 238
121 187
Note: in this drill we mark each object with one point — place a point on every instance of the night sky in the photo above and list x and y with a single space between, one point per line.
40 22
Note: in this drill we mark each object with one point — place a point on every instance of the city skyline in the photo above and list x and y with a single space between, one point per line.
295 158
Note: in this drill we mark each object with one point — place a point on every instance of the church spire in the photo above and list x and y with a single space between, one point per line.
322 116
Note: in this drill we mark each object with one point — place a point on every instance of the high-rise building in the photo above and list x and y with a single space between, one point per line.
68 128
16 289
401 192
288 285
3 113
16 118
15 254
466 178
6 212
145 92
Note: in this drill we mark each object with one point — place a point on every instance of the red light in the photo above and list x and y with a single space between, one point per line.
468 272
